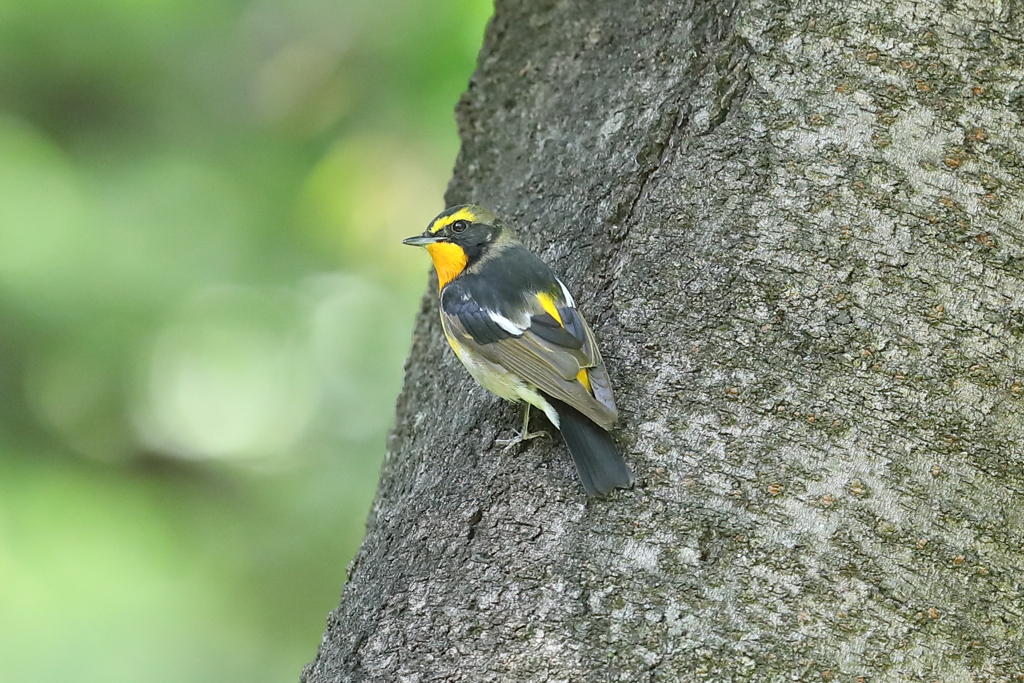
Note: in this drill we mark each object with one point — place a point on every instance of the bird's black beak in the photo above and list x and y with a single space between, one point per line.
421 240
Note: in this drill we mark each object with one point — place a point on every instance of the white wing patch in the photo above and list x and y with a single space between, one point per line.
566 294
505 324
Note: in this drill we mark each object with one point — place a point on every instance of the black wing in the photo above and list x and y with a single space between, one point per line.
557 355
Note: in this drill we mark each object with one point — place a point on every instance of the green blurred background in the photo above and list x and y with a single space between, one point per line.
204 310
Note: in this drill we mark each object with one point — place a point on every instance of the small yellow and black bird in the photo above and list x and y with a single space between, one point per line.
515 327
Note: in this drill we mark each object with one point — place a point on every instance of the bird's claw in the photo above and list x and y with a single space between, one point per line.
519 438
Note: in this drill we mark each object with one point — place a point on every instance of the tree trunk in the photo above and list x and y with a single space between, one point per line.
796 229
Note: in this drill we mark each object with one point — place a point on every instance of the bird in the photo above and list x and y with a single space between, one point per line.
516 328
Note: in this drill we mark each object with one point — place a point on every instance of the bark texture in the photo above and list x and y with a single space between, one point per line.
796 228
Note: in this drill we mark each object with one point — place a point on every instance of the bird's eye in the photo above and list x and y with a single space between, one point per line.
459 226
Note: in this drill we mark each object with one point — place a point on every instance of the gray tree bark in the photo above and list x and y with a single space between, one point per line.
796 228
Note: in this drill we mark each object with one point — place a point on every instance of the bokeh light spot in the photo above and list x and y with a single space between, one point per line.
229 377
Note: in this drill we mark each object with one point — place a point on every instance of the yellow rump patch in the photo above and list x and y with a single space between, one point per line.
547 302
462 214
584 379
449 260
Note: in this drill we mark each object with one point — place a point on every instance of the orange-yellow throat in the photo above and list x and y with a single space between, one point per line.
449 260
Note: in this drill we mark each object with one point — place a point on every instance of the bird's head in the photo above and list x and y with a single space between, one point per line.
460 237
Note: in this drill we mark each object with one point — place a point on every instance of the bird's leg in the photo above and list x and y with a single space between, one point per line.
522 436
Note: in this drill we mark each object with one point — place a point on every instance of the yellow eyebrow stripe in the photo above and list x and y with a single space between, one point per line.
547 302
443 222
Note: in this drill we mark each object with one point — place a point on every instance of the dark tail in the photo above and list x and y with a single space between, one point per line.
598 462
